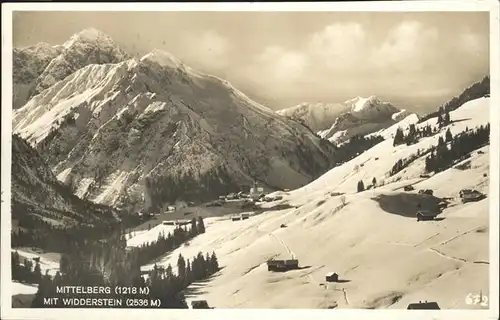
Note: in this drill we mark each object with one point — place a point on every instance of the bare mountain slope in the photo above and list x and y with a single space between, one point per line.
36 192
153 128
28 65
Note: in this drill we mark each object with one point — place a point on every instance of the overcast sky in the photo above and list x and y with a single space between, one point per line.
414 60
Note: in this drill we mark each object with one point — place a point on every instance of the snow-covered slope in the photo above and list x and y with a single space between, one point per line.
384 257
119 132
137 239
365 115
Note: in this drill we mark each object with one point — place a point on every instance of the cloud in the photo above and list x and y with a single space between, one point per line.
341 59
338 46
406 46
210 46
335 47
471 43
283 65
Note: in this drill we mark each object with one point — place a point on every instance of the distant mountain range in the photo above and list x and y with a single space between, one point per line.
340 122
152 131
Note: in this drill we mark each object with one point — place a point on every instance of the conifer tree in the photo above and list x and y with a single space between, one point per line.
37 273
214 261
201 225
194 228
361 186
181 265
449 137
398 137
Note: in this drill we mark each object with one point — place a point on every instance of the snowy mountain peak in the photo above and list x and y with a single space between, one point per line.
163 58
360 103
89 35
365 115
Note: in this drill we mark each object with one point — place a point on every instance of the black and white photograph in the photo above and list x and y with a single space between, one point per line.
250 159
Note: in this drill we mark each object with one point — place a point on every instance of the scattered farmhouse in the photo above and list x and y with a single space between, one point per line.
425 216
423 306
468 195
199 304
175 222
282 265
332 277
426 191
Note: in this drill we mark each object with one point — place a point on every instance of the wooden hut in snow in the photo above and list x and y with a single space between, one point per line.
332 277
423 306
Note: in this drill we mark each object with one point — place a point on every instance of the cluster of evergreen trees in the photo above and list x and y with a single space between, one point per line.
108 262
354 147
25 272
460 145
52 238
163 283
475 91
167 243
199 268
361 185
403 163
441 157
188 187
414 134
443 118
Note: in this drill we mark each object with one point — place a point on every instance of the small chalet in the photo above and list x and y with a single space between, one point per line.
468 195
423 306
409 188
282 265
236 218
425 216
182 222
245 216
426 191
200 304
332 277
